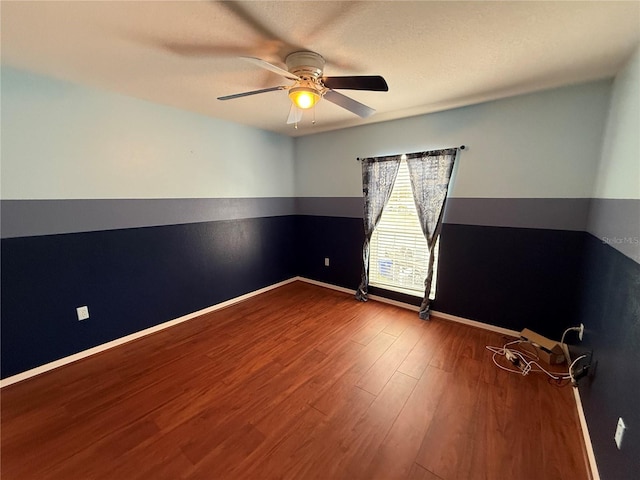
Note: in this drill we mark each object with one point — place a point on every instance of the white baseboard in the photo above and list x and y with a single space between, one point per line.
446 316
595 475
156 328
325 285
505 331
475 323
119 341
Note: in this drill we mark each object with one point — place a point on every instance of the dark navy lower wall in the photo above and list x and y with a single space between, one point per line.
610 311
131 279
337 238
509 277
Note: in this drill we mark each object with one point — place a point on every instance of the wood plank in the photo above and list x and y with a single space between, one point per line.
282 456
445 349
330 399
372 428
402 320
299 382
420 473
562 450
446 447
525 420
396 455
238 443
373 327
418 359
356 437
159 458
109 450
374 380
491 456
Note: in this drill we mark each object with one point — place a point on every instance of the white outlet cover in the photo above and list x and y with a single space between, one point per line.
83 312
620 428
326 261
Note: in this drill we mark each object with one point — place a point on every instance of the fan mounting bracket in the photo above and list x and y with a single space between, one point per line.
305 64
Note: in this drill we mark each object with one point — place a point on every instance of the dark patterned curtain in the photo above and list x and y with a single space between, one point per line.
430 173
378 177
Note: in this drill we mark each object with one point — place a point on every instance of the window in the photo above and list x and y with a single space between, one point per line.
399 257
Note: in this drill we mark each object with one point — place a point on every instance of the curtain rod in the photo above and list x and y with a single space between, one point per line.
461 147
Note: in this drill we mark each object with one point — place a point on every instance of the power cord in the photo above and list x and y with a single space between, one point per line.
563 345
575 378
584 370
526 362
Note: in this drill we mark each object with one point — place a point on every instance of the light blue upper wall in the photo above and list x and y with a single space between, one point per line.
541 145
614 216
65 141
618 175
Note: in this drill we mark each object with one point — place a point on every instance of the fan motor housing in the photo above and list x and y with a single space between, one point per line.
305 64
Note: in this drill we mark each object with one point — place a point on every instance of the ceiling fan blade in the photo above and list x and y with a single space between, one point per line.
253 92
240 11
349 104
271 67
295 115
203 50
274 43
361 82
194 48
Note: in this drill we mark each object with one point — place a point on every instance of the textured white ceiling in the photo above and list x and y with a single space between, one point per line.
434 55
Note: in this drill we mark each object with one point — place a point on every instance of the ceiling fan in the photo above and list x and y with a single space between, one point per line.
306 70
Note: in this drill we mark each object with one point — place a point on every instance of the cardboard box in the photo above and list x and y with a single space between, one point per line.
548 350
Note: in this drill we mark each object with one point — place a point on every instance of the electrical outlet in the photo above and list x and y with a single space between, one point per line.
83 312
581 331
620 428
326 261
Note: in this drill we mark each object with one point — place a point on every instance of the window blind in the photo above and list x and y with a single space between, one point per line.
398 255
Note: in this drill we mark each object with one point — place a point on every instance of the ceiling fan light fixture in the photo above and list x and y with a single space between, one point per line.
304 97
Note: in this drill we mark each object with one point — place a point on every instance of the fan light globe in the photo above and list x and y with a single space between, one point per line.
304 97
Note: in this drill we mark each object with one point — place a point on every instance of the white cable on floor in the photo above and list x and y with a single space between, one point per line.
526 366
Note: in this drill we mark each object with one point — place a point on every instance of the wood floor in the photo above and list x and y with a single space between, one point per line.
301 382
